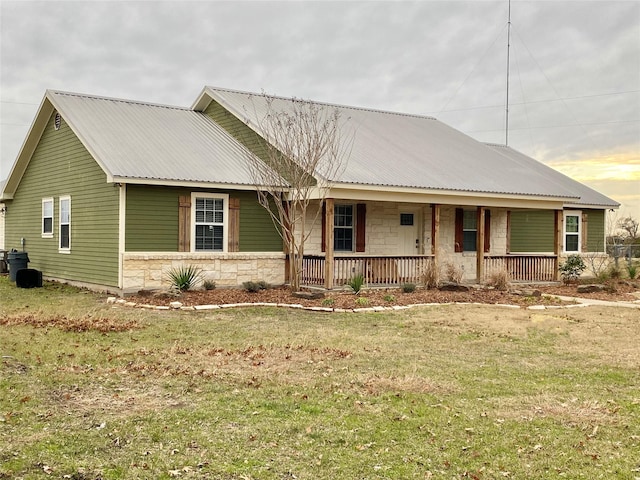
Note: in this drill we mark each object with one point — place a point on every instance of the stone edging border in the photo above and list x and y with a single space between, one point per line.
181 307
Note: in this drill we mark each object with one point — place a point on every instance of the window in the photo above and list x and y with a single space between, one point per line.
469 231
65 224
343 228
572 227
47 218
466 230
406 219
210 222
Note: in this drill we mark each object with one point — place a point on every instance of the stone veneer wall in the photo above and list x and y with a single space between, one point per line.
148 270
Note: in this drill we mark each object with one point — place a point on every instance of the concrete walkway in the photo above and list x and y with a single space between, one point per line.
591 301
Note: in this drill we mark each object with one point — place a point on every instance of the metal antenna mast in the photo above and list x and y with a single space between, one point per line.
506 128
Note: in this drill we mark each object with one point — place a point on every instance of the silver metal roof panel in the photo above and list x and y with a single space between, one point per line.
144 141
402 150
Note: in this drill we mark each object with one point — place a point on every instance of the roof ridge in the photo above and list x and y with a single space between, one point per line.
118 100
328 104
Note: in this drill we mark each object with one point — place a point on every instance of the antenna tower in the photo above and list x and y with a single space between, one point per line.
506 128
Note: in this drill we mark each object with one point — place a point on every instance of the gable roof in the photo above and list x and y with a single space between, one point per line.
138 142
143 143
411 151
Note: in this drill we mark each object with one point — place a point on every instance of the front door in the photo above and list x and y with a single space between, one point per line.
409 233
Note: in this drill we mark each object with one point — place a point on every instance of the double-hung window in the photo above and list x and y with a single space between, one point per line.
209 216
470 231
572 233
343 228
65 224
47 218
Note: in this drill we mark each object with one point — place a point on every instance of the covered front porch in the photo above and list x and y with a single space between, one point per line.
394 243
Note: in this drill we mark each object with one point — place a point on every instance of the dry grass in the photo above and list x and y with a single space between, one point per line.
90 391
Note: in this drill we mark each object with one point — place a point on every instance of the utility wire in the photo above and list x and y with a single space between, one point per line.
480 107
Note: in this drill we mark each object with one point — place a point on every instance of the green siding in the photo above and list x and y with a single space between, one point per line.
257 232
532 231
595 230
61 166
250 139
237 129
152 220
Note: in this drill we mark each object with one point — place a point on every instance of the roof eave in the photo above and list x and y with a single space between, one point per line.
180 183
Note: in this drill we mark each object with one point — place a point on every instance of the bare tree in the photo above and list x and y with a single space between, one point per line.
629 227
305 149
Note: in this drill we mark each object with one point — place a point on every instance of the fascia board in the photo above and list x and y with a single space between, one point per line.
362 192
202 102
178 183
585 206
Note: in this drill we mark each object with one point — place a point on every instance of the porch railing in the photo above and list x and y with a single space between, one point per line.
523 268
391 270
400 269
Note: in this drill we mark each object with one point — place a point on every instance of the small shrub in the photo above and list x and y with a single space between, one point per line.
328 302
209 285
251 287
254 287
572 268
453 273
632 270
409 287
431 275
356 283
389 298
362 301
602 277
184 277
499 279
615 272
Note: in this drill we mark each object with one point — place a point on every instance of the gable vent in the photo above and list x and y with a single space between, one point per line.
57 121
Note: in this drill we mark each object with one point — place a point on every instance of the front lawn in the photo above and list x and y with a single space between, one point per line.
89 390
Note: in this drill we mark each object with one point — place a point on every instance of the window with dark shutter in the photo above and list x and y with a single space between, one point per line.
487 230
459 235
361 223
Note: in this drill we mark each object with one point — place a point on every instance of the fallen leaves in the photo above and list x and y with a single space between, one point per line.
66 323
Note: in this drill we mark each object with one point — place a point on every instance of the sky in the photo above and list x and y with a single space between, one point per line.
574 66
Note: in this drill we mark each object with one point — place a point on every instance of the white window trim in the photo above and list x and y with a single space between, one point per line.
571 213
225 220
42 232
60 200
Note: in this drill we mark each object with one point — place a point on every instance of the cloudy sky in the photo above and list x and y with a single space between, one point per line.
574 83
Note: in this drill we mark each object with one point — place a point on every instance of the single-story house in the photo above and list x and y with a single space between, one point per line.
111 193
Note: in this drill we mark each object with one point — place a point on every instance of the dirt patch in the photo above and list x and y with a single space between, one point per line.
620 291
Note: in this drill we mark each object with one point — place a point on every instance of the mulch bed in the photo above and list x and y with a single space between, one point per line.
618 291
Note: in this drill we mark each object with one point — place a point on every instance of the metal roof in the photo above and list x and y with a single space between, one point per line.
133 140
401 150
587 195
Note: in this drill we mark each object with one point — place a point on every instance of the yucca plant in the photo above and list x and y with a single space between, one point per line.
356 283
185 277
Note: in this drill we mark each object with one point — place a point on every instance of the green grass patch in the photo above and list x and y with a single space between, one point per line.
94 390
